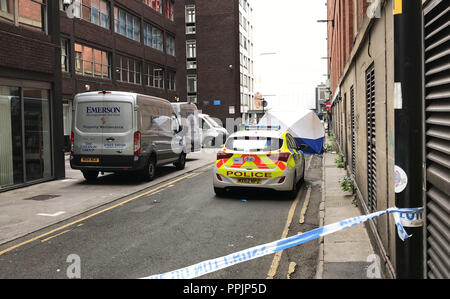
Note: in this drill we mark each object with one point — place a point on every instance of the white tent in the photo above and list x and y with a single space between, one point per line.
303 124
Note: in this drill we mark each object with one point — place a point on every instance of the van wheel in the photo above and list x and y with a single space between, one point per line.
90 175
149 173
181 163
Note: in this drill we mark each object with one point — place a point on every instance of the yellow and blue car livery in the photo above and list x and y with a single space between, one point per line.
259 157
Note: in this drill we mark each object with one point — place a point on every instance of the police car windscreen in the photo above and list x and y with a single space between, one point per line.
254 144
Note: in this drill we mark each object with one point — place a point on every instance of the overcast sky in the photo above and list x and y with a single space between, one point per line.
289 28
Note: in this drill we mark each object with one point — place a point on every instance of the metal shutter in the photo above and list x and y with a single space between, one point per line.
371 140
437 103
352 108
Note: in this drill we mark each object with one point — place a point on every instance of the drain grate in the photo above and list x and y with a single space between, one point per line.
42 197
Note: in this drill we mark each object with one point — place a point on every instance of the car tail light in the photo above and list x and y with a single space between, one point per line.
219 177
283 157
223 156
281 181
137 143
72 138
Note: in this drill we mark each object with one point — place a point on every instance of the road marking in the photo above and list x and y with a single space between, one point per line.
52 215
94 214
291 270
305 206
276 260
61 233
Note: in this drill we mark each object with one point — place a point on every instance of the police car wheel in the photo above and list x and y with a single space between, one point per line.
293 193
219 192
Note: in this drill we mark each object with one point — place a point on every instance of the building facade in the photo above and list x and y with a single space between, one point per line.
390 113
119 45
215 61
31 146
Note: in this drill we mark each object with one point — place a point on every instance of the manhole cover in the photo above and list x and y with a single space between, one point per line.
42 197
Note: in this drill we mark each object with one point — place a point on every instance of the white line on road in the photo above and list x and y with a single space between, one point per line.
52 215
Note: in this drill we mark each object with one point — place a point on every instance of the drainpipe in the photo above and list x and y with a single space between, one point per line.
409 147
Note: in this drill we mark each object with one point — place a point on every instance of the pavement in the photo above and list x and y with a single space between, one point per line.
346 254
36 207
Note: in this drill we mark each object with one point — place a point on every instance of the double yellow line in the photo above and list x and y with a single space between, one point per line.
150 192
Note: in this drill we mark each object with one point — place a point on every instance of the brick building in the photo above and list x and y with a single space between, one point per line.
119 45
215 56
31 139
389 77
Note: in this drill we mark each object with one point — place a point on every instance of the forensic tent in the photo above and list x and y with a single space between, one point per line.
304 125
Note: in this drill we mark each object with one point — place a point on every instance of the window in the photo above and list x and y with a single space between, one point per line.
128 70
126 24
191 47
191 64
168 9
171 80
7 9
32 13
190 14
93 11
170 45
91 62
153 76
192 99
191 29
192 83
155 4
65 55
153 37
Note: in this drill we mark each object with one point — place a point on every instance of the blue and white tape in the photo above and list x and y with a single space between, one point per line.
220 263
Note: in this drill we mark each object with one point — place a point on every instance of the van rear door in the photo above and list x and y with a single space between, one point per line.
117 119
88 132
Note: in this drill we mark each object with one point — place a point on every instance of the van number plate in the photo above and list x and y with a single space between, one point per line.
90 160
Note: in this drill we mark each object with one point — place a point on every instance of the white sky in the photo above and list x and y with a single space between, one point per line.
290 29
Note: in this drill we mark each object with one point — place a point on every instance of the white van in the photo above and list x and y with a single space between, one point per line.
188 114
124 132
213 134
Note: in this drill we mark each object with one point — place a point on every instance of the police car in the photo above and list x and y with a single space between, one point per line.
260 157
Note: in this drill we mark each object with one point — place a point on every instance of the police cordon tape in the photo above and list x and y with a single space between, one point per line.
217 264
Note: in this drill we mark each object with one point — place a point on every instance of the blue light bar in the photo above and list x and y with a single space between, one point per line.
262 128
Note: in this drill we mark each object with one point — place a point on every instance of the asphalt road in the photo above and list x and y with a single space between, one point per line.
171 226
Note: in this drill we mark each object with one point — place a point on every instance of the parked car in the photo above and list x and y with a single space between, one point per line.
213 134
188 114
261 157
124 132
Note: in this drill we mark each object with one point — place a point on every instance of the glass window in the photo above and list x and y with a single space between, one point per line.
190 14
171 80
127 24
254 144
170 45
11 143
7 9
191 49
37 134
155 4
158 77
153 37
192 83
65 55
32 13
129 70
91 62
168 9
